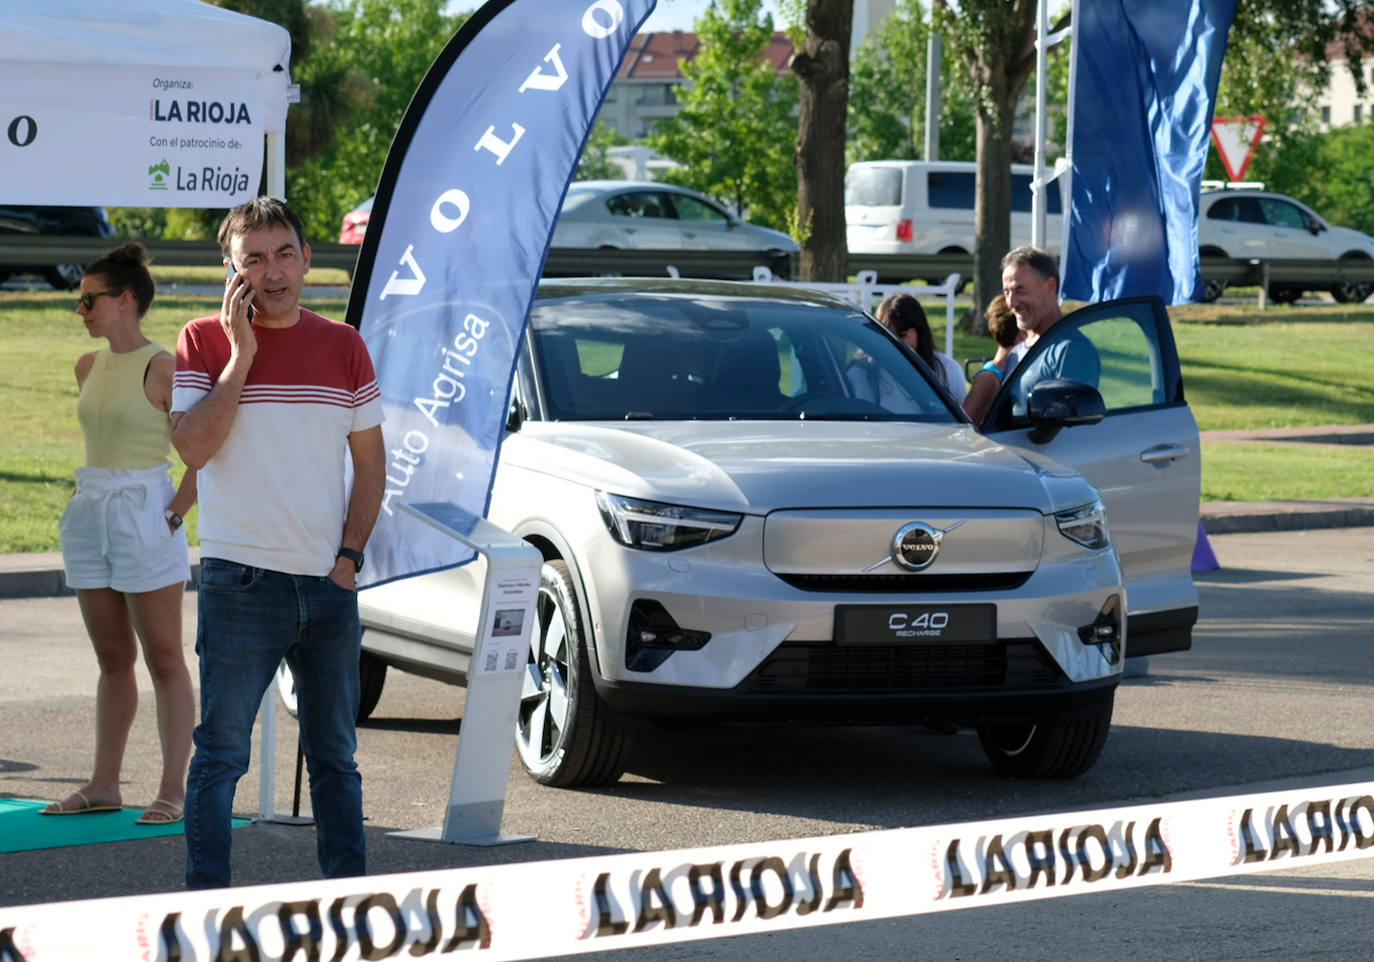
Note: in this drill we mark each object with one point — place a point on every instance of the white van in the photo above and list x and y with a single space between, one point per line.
926 207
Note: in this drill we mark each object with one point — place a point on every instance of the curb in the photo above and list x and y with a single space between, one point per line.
1241 517
41 575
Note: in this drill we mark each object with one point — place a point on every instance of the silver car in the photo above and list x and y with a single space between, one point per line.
629 214
1245 223
755 504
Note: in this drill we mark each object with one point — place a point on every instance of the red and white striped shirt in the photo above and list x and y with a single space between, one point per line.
275 494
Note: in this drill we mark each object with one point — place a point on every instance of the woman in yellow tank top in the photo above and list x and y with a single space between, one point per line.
123 545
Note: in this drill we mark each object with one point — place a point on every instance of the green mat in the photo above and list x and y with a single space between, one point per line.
23 829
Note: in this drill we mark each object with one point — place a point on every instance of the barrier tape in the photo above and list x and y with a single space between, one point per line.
652 898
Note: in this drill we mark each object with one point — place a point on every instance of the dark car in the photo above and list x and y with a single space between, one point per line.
87 221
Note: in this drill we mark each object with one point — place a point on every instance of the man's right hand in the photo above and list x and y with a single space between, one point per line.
233 317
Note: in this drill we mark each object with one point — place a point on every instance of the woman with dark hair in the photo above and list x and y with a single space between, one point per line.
123 546
903 315
1010 339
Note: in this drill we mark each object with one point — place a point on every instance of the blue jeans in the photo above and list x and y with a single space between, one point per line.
249 620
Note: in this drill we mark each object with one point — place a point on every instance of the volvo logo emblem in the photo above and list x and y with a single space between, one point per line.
915 546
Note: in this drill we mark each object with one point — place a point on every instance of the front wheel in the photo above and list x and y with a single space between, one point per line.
563 734
371 678
1055 749
64 277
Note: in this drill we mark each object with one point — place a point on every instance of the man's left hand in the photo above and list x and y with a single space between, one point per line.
345 575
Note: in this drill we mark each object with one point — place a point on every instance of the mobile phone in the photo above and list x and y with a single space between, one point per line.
229 272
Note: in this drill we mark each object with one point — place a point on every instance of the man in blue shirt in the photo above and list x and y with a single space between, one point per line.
1030 283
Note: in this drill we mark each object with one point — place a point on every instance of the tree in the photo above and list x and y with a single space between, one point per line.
887 90
595 163
996 41
380 51
822 65
735 132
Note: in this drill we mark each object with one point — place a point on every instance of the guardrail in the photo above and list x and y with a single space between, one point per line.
32 250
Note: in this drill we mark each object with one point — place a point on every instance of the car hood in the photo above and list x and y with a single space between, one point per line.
760 466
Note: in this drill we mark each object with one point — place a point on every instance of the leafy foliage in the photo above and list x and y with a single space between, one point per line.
595 163
385 47
736 131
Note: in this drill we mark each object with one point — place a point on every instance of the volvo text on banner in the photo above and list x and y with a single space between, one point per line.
459 232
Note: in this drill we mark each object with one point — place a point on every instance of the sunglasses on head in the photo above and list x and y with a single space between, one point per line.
88 300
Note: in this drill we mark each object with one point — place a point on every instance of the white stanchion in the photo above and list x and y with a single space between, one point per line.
496 673
656 898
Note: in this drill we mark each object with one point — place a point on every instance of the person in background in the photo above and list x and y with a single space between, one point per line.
270 405
1009 337
123 545
903 315
1030 283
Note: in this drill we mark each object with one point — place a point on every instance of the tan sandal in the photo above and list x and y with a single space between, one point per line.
168 814
85 808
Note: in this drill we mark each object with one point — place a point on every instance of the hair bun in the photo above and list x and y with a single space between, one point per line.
130 253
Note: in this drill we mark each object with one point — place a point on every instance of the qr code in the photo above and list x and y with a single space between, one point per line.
491 662
511 662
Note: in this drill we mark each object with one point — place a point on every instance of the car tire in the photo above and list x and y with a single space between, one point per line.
1064 748
64 277
371 678
1283 294
963 281
1350 292
1212 289
563 734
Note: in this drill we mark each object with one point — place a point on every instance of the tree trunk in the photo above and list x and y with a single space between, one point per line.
822 66
1001 60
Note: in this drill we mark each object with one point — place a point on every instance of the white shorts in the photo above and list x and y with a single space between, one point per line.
115 534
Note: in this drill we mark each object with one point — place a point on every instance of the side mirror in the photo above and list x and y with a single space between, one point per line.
1315 226
516 416
1056 404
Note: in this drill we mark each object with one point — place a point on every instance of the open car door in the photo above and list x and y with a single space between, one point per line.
1144 457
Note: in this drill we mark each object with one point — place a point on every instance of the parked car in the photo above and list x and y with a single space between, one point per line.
926 207
629 214
88 221
1248 223
754 503
355 223
634 214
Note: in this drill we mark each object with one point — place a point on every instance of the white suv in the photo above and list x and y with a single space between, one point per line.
757 504
1243 223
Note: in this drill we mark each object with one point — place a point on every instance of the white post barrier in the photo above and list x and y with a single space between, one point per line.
496 672
655 898
866 293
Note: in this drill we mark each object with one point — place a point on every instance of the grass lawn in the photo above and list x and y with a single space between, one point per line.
1290 366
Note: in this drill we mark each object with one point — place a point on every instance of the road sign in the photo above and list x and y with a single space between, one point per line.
1236 139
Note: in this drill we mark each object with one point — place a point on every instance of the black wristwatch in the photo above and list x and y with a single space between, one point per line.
173 519
354 556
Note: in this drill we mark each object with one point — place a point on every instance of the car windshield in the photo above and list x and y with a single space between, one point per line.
676 357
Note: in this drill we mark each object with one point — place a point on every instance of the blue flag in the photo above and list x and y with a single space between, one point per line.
457 239
1145 83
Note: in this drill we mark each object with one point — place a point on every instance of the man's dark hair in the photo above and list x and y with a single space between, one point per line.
255 214
1036 259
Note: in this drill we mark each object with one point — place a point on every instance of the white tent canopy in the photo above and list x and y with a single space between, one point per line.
140 103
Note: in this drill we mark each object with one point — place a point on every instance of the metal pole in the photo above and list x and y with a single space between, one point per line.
1038 198
934 57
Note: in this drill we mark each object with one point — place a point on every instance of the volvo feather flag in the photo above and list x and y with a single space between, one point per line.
1145 82
457 239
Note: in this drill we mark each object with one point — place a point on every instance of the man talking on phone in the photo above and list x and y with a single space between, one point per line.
269 402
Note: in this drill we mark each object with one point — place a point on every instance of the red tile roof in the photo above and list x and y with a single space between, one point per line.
657 56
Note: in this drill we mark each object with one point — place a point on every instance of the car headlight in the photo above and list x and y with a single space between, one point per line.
654 526
1086 524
